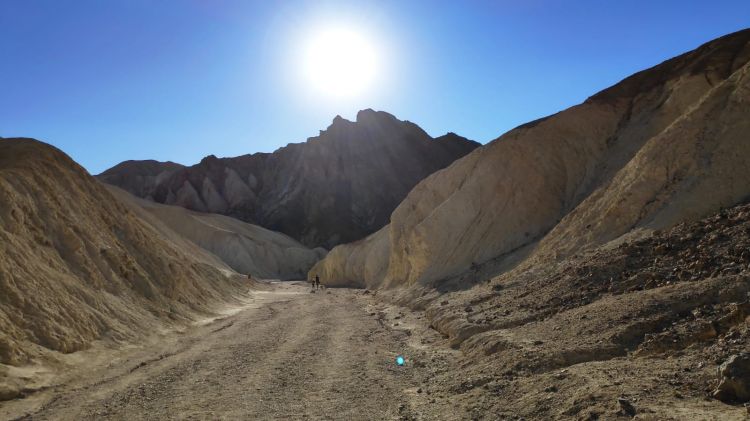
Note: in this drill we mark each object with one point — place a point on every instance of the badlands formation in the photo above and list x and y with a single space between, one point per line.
337 187
246 248
665 145
76 264
593 264
569 261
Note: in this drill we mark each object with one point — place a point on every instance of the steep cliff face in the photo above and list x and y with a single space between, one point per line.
337 187
246 248
667 144
76 264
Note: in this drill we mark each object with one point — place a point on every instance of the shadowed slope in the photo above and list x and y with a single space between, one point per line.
336 187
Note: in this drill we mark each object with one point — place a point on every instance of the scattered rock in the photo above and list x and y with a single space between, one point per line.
626 407
734 379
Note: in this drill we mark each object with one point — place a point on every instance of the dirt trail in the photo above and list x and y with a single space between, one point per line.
289 355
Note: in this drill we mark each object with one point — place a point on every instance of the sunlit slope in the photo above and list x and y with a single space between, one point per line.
667 144
76 264
336 187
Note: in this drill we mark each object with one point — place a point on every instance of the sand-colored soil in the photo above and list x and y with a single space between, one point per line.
77 265
288 354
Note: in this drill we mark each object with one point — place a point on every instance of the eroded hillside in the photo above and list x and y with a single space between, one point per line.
246 248
77 265
336 187
665 145
592 264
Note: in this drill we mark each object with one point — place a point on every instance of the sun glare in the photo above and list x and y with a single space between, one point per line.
340 63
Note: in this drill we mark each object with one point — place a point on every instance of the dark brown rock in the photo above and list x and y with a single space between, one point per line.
337 187
734 379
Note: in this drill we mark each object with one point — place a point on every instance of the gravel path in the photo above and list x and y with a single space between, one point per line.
289 355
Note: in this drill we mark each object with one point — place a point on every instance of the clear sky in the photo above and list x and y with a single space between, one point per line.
111 80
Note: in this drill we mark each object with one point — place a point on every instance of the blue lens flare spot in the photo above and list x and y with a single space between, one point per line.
400 360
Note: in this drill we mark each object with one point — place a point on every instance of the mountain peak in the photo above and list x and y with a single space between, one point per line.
369 115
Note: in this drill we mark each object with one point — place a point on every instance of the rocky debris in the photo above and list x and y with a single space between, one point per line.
734 380
337 187
604 320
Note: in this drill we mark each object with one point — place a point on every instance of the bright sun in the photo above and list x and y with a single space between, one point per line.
340 63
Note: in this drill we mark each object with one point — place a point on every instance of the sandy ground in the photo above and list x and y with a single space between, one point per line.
289 354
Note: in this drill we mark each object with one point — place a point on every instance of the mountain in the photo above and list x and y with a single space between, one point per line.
141 177
246 248
77 265
593 264
336 187
666 145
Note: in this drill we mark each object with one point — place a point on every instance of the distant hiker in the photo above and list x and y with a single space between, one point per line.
317 282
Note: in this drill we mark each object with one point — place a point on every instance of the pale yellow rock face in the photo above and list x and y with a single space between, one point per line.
358 264
698 164
665 145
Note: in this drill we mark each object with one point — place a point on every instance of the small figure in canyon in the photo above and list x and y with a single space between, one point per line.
317 282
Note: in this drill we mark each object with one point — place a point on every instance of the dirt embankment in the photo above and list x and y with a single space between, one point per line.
77 265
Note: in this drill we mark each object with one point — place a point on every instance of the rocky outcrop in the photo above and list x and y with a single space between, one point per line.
77 265
734 379
246 248
141 177
665 145
337 187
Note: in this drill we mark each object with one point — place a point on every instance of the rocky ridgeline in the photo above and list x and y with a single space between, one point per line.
337 187
666 145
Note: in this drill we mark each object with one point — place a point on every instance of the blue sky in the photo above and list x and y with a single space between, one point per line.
108 81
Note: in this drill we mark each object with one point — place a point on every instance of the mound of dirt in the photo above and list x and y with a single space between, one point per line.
246 248
668 144
337 187
77 265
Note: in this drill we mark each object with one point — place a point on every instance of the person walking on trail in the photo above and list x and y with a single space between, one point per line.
317 282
